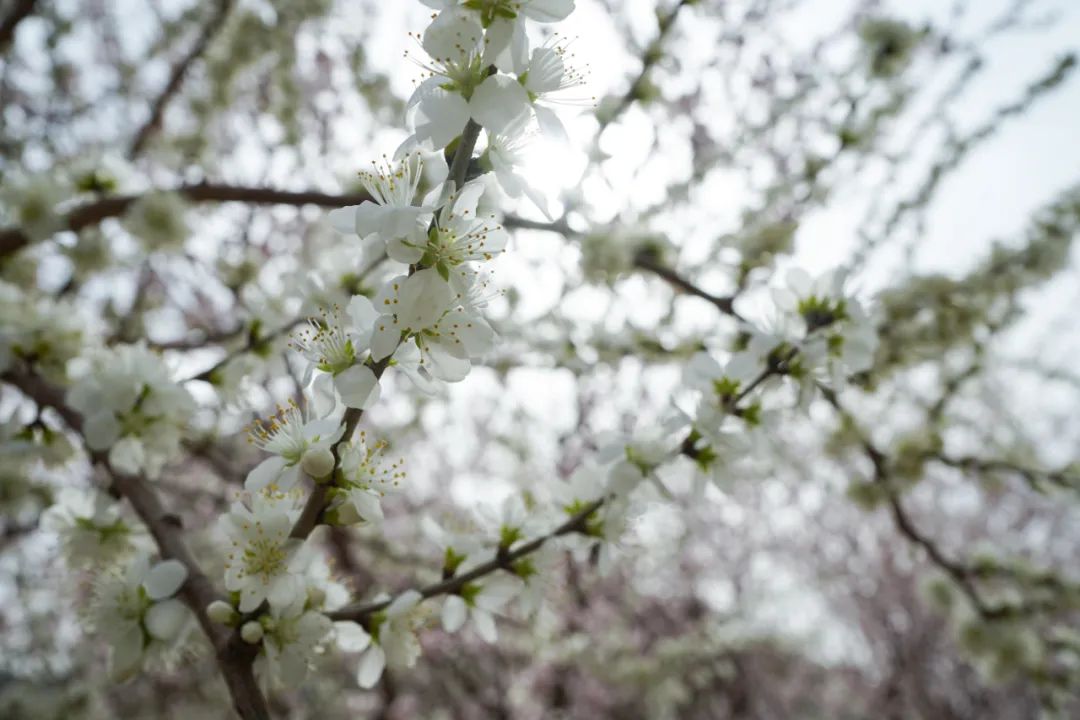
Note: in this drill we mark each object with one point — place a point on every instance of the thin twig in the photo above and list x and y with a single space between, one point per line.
501 561
176 78
92 213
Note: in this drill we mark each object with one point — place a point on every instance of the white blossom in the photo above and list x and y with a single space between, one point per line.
458 236
30 202
389 641
479 602
292 640
296 446
135 613
333 346
392 212
458 86
39 330
159 219
263 562
365 479
422 307
90 526
506 152
130 407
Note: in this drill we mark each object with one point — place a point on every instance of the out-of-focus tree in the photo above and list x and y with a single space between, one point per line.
555 425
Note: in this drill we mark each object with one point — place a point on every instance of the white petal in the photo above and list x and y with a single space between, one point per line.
439 116
250 598
546 71
484 623
453 36
264 473
351 637
165 579
283 592
454 612
800 281
127 650
362 312
343 219
165 620
323 399
435 168
367 505
371 666
497 592
422 299
323 430
404 250
507 46
101 430
128 455
548 10
385 338
358 386
550 124
466 200
784 299
499 102
403 603
445 366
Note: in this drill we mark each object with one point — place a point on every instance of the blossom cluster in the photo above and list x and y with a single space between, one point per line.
438 223
132 408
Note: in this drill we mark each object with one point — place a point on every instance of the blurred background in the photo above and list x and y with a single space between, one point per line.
927 148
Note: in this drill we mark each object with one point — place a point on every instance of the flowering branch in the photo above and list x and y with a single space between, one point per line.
197 592
503 560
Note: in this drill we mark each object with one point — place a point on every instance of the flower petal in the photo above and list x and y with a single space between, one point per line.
165 579
499 102
370 669
351 637
264 473
165 620
454 612
358 386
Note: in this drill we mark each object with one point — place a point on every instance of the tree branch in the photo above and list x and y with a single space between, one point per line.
960 573
502 561
176 78
92 213
166 528
642 261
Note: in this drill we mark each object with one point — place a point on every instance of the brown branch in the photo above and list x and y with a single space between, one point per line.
176 78
653 54
724 303
502 561
642 260
19 12
1034 477
92 213
166 528
960 573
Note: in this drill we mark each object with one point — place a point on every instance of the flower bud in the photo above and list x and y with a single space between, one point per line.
221 612
252 632
318 462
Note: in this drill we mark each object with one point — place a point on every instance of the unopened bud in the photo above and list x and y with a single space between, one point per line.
221 612
318 462
252 632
